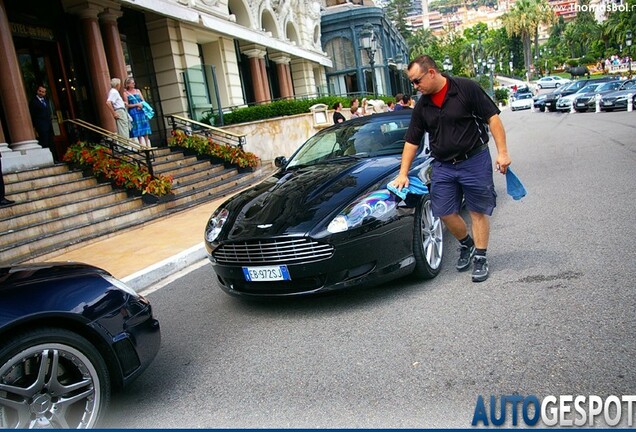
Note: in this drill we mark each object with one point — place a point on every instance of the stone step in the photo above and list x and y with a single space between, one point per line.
22 207
186 167
209 173
42 214
40 193
42 229
204 182
42 248
34 173
214 190
23 186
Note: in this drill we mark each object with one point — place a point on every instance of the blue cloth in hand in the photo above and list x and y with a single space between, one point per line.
415 187
514 187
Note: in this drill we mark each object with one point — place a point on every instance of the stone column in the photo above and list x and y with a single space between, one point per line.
96 59
24 151
284 77
16 108
256 56
112 44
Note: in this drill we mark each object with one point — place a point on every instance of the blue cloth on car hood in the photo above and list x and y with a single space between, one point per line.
415 187
514 187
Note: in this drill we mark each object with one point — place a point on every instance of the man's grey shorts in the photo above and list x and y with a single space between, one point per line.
471 179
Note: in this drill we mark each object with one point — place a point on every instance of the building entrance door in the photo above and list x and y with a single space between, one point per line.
40 63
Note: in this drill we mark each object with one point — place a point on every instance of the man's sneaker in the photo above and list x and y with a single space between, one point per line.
465 256
480 269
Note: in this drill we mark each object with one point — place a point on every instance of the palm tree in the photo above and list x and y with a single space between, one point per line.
523 20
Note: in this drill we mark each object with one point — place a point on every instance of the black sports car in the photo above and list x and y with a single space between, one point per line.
326 220
70 334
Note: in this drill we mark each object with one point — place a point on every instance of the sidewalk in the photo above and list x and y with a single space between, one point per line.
145 255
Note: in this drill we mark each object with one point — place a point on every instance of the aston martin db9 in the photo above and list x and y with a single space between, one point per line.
326 220
71 333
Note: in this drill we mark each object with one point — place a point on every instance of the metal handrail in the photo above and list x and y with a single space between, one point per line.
193 126
121 147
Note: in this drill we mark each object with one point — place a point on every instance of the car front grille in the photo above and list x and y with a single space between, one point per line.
275 251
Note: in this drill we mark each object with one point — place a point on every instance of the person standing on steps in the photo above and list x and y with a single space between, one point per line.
140 124
116 106
40 109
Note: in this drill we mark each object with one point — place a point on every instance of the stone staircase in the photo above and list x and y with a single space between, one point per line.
58 209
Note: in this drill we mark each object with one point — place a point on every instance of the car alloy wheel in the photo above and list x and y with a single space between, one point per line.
428 241
52 378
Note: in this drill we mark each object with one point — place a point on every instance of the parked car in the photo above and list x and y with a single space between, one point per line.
326 220
568 89
71 333
566 103
523 101
539 102
617 100
587 101
551 81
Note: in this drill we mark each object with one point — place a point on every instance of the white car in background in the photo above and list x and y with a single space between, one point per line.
551 81
522 101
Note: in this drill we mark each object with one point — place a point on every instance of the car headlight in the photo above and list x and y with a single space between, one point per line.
622 97
215 224
374 205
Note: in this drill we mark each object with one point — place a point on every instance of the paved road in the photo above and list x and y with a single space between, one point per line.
557 315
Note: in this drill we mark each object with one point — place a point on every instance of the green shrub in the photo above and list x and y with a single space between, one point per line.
501 95
279 108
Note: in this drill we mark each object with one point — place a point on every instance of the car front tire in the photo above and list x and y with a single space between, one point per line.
52 378
428 241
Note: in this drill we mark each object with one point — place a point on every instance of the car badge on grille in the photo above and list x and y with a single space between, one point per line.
264 226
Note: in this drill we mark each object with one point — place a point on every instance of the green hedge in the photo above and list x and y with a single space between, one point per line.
278 109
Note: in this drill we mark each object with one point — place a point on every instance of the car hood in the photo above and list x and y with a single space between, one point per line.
298 200
617 93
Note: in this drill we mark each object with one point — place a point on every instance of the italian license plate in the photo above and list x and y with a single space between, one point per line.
266 274
580 104
607 103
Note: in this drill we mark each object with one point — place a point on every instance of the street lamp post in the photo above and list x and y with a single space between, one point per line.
491 68
447 65
369 43
628 42
472 51
512 57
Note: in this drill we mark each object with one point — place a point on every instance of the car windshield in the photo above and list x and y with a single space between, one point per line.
590 88
353 140
524 96
628 85
612 85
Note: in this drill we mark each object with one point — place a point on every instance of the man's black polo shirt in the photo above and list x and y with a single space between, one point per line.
459 125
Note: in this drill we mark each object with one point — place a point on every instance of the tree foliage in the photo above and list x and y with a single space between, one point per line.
396 11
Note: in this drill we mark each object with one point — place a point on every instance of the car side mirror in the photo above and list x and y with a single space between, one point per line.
280 161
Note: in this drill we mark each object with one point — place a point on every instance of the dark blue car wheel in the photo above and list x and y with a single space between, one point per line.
52 378
428 241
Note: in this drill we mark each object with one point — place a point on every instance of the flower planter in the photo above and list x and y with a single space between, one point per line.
243 170
154 199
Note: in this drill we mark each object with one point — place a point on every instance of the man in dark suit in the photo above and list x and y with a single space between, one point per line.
41 116
3 200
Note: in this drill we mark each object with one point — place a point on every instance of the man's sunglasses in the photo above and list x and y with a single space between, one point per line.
417 81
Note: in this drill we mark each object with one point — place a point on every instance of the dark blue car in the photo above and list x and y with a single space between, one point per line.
70 334
326 220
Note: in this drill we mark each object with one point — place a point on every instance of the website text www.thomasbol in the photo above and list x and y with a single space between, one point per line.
606 8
